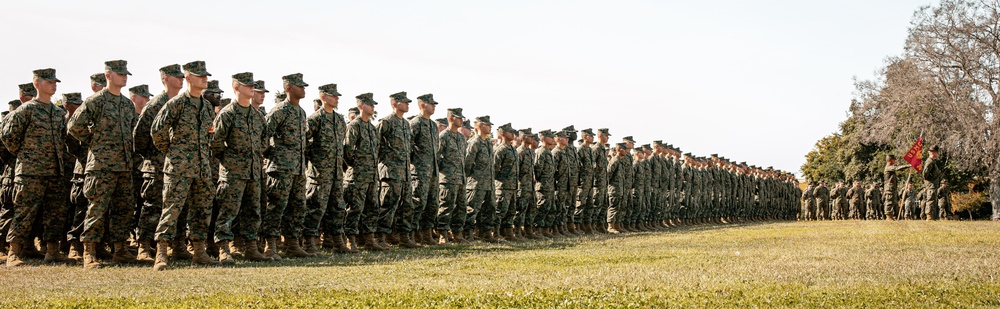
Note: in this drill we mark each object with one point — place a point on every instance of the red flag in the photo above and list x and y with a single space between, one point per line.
915 155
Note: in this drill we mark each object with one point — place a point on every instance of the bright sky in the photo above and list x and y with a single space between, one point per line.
755 81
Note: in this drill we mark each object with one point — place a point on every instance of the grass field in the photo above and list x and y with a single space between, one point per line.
808 264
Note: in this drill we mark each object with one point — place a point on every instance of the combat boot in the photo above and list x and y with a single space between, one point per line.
406 241
338 244
371 244
52 254
225 255
102 251
614 228
529 233
352 243
161 261
122 256
200 256
457 238
579 229
391 239
428 238
14 258
236 247
292 248
30 251
381 241
329 241
443 238
89 255
211 249
271 249
312 245
509 234
547 232
178 250
571 228
145 252
251 253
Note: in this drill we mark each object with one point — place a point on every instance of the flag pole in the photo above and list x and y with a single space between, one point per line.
909 173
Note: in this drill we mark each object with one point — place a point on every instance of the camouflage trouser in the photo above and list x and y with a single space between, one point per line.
7 210
480 209
616 199
78 208
944 209
43 198
506 202
325 204
286 205
890 204
546 201
638 208
599 196
425 202
185 193
584 204
362 208
237 198
525 208
449 215
396 207
930 200
137 198
111 203
561 208
152 205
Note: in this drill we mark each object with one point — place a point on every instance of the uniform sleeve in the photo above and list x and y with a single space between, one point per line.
274 120
470 156
312 136
142 141
12 133
164 121
79 124
221 126
349 144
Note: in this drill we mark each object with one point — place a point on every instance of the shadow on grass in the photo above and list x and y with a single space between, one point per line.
396 255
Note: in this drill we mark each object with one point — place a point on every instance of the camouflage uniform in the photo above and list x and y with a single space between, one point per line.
481 207
104 124
505 172
35 133
424 157
324 192
526 209
152 165
238 142
585 185
181 132
545 186
599 193
396 209
451 155
361 148
562 162
286 166
617 191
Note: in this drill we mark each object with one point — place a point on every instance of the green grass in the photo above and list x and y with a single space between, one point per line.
799 264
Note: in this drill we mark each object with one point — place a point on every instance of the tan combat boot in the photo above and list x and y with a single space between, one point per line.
391 239
200 256
52 254
14 258
145 252
406 241
122 256
614 228
352 243
371 244
312 245
329 240
458 238
271 249
292 248
381 241
162 259
75 250
102 251
225 255
237 246
90 255
29 251
428 238
251 253
178 250
339 246
443 238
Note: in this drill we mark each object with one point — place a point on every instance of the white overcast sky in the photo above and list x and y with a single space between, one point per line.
755 81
